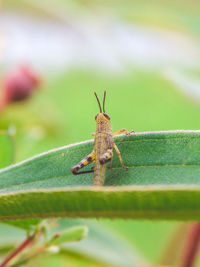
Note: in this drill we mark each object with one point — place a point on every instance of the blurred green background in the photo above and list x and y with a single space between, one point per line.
145 54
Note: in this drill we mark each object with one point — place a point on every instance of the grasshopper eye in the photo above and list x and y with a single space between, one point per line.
106 115
96 116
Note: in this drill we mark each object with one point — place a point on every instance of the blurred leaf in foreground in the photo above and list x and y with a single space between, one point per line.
102 244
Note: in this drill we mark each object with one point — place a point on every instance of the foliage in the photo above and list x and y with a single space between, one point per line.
163 181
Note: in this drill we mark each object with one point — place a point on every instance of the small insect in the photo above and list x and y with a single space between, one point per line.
103 147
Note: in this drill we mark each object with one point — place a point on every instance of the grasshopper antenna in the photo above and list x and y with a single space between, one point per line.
98 102
104 98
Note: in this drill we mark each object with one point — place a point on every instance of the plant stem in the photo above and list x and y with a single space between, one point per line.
16 251
191 245
30 256
175 245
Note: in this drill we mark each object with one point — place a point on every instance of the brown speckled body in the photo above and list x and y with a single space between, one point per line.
103 142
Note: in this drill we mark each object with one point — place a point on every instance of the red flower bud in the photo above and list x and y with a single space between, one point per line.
19 84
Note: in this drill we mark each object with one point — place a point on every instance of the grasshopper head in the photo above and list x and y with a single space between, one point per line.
103 123
102 116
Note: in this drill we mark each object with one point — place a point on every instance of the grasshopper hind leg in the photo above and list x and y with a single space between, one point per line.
84 162
107 156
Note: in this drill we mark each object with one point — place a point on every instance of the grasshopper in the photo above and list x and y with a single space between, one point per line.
103 147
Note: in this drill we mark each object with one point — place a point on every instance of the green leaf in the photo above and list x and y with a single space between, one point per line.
6 149
163 181
103 244
70 235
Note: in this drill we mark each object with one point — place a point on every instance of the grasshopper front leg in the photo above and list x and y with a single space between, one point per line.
120 157
122 131
116 148
84 162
